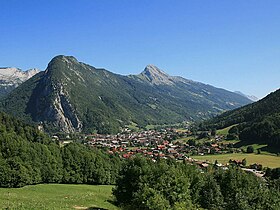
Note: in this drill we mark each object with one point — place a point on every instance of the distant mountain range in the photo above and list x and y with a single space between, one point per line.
10 78
251 97
71 96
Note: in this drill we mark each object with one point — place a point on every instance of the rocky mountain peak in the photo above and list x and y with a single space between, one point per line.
11 77
64 58
156 76
11 74
251 97
58 63
8 71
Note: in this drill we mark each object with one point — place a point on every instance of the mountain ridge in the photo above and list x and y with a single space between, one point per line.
72 96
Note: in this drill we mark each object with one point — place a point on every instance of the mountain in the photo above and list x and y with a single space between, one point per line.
251 97
71 96
258 122
10 78
154 75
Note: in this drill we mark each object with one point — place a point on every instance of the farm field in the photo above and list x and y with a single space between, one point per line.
266 160
57 196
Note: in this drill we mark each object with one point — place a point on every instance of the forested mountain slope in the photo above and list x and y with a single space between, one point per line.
257 122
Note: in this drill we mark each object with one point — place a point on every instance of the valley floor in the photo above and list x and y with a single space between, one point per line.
57 196
266 160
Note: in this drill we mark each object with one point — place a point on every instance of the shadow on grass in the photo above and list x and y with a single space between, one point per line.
97 208
112 202
242 144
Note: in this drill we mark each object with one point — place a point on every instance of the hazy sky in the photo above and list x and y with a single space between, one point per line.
227 43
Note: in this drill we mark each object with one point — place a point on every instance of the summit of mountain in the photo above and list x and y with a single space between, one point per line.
156 76
251 97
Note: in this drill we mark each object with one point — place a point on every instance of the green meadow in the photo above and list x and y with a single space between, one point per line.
271 161
57 196
224 131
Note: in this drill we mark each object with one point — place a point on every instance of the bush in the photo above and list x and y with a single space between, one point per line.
250 149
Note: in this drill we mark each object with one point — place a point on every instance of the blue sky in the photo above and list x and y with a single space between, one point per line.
233 44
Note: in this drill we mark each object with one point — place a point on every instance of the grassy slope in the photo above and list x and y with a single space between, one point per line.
224 131
57 196
265 160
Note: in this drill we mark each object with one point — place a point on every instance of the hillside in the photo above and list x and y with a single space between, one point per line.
71 96
10 78
258 122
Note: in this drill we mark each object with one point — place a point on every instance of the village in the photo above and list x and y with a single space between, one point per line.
166 144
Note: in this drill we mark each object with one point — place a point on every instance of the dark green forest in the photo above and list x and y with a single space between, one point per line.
28 156
255 123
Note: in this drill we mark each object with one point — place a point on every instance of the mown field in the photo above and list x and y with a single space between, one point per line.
57 196
266 160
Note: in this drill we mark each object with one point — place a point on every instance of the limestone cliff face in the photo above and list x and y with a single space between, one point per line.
64 114
53 104
61 112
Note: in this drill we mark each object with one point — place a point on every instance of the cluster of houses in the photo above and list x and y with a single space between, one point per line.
141 139
158 144
154 144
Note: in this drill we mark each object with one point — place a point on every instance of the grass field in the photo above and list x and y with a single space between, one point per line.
224 131
57 196
255 146
266 160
